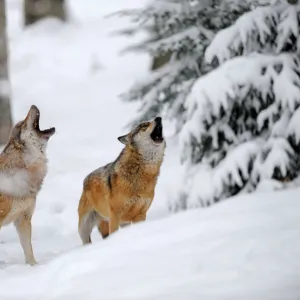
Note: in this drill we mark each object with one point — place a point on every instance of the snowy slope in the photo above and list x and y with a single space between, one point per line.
245 248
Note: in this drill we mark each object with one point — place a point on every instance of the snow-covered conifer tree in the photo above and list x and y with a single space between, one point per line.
243 118
178 34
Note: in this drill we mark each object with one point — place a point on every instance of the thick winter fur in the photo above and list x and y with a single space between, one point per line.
23 166
121 192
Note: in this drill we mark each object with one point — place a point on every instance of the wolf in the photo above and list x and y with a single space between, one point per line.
121 192
23 167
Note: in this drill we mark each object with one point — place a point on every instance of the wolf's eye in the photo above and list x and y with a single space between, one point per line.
144 127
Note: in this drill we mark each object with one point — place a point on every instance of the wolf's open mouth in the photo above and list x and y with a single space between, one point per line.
36 125
157 133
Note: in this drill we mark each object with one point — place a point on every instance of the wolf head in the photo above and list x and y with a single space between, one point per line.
27 133
147 138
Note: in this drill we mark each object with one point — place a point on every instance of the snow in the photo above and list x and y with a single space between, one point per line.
280 126
174 41
236 165
279 152
293 127
253 31
243 248
206 102
288 25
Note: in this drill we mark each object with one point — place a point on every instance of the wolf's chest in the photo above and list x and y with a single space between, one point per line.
17 208
135 206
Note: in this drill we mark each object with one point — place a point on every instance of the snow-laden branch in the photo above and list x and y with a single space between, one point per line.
219 130
254 32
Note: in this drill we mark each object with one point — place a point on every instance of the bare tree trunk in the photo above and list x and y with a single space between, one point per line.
35 10
5 111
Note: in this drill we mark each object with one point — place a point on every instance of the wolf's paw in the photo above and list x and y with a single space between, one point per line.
31 262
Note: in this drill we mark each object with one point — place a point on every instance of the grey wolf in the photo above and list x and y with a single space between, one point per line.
23 167
121 192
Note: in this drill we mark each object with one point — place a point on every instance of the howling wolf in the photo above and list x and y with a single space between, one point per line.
121 192
23 166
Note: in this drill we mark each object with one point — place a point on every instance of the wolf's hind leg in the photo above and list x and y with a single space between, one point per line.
103 228
86 224
139 218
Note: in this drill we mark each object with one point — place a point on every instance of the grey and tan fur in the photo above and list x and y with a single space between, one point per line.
121 192
23 167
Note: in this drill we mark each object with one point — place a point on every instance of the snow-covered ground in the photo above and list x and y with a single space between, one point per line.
245 248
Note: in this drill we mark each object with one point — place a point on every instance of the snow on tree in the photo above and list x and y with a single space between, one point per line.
242 118
178 32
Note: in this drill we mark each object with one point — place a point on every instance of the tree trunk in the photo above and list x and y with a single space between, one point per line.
5 111
35 10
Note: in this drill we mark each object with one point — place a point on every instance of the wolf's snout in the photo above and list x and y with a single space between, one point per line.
34 111
33 119
34 107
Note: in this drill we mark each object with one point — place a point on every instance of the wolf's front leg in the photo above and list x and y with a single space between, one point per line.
103 228
139 218
114 221
23 226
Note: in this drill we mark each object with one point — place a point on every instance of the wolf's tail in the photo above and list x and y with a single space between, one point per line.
88 219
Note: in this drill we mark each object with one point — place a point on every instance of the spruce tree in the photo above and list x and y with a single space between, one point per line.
178 33
243 128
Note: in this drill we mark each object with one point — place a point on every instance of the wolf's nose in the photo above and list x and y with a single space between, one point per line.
34 107
158 120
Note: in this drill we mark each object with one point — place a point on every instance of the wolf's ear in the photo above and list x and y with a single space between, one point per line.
124 139
16 136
